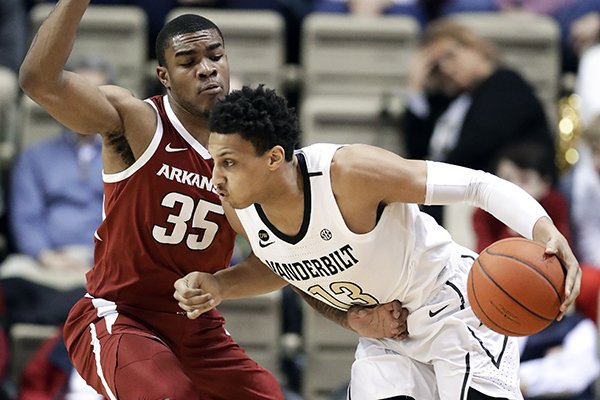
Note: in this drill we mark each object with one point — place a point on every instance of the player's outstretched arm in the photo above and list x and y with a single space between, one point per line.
199 292
70 98
508 203
385 178
382 321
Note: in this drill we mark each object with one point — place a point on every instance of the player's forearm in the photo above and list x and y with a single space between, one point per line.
447 184
333 314
44 63
248 278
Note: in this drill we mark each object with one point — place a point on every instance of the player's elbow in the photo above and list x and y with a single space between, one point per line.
28 78
33 82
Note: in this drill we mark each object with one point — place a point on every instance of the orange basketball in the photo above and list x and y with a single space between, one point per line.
514 288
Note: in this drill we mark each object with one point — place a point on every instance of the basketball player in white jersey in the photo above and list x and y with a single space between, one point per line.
341 223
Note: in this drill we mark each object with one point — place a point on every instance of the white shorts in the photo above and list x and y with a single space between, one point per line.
447 352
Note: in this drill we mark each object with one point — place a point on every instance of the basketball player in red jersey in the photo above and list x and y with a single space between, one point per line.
163 219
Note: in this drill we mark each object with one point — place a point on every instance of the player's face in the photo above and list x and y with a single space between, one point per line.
239 174
197 71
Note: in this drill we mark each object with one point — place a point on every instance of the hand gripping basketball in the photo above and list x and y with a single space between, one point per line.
515 288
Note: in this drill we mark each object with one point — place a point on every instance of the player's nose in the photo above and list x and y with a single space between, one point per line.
206 69
217 178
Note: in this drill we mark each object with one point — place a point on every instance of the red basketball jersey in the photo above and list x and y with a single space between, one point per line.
162 220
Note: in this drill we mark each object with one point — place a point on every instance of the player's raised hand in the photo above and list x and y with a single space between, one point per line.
197 293
382 321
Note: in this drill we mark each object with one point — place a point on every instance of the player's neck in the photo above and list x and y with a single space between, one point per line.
196 126
194 123
285 208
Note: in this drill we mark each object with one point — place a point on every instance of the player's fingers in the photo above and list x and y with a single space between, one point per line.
193 280
403 321
572 287
194 301
396 309
573 278
187 286
403 315
198 308
561 249
188 294
180 284
573 281
195 314
198 301
391 330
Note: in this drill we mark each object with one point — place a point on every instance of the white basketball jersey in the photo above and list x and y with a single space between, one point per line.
402 258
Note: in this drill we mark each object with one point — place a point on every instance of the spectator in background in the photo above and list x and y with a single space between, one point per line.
463 106
587 85
56 192
560 362
531 167
578 20
55 206
581 187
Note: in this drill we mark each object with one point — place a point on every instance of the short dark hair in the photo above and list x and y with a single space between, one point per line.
530 155
260 116
185 23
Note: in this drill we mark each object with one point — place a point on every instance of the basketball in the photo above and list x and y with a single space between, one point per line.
515 288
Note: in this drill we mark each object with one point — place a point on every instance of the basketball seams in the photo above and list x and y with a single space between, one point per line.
531 266
524 307
489 320
515 288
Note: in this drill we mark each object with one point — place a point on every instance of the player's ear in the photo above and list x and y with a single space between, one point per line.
163 76
276 157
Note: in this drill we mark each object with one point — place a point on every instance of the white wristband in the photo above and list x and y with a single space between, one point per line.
447 184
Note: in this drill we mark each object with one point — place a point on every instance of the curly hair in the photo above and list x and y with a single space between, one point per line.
259 116
185 23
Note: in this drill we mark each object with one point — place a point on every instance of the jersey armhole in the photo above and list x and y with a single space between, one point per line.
146 155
